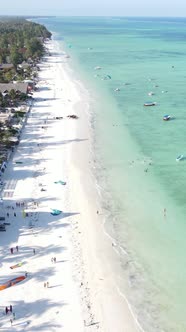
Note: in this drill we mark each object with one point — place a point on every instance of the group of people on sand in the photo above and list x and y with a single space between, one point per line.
12 249
19 204
8 214
53 259
10 310
46 284
7 310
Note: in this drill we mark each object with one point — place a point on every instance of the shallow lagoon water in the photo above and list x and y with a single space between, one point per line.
142 187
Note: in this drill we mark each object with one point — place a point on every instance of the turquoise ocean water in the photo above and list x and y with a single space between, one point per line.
135 151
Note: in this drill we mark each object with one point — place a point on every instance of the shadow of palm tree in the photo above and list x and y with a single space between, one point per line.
27 253
24 311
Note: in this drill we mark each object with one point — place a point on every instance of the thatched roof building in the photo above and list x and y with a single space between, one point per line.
21 87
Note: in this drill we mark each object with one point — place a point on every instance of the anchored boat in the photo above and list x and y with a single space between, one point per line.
150 104
166 117
180 157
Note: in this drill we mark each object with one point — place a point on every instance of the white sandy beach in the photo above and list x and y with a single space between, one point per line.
82 294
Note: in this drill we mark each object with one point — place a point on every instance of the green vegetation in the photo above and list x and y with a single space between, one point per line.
21 40
20 114
12 98
21 48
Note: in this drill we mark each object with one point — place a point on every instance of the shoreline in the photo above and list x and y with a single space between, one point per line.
84 253
91 228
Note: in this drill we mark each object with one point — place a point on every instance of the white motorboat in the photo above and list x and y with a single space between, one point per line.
180 157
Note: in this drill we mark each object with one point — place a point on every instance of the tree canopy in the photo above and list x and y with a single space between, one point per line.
20 39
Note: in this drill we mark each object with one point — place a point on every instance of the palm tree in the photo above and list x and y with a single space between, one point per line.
12 94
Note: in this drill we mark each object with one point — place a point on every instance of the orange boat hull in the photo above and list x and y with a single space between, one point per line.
12 282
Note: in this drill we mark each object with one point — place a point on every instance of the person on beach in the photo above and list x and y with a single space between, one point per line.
14 214
44 284
47 284
10 308
54 259
6 310
17 248
11 321
7 214
14 316
34 251
11 250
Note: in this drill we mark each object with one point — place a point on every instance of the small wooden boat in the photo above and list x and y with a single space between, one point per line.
150 104
16 265
11 282
166 117
180 157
